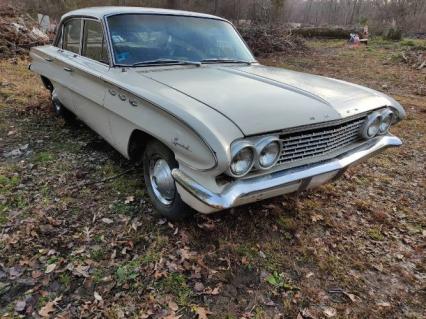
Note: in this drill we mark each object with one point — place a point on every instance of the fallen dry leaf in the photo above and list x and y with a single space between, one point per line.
316 217
384 304
173 306
198 286
50 268
82 271
330 312
97 296
20 306
129 199
49 307
107 220
172 316
201 312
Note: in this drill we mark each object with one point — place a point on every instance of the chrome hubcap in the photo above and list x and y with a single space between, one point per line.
162 181
57 106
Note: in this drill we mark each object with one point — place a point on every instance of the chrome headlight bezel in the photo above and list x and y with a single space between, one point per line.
264 143
236 149
372 119
376 120
386 114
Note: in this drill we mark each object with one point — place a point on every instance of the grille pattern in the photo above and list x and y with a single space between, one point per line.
319 142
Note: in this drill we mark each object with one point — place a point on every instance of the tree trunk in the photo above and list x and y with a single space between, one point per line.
172 4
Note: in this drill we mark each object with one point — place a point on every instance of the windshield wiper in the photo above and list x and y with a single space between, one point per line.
225 61
166 62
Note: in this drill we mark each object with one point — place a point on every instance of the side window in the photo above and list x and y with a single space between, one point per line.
94 46
72 33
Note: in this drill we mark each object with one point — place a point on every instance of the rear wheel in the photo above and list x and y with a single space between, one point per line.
158 163
59 109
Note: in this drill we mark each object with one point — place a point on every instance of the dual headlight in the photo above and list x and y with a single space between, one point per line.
377 123
263 154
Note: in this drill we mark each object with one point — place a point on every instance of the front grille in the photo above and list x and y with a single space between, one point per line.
319 142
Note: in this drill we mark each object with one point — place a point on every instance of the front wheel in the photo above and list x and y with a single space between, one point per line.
158 162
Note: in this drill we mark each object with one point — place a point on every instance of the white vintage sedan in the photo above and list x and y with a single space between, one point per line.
214 128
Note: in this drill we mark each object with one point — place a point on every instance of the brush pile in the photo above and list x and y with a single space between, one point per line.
18 32
415 58
264 40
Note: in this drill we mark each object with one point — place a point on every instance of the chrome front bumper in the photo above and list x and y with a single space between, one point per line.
244 191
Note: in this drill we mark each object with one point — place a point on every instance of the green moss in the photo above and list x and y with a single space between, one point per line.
42 301
3 214
176 284
128 271
97 254
375 234
124 209
408 42
247 251
287 223
97 275
278 281
6 183
44 157
65 279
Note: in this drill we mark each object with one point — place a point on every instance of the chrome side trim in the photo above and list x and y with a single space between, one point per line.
238 191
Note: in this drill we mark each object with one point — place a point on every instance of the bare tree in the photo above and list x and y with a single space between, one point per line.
408 15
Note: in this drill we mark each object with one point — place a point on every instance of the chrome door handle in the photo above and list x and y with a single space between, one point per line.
49 59
67 69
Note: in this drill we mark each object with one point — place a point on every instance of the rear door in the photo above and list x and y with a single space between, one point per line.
69 49
90 68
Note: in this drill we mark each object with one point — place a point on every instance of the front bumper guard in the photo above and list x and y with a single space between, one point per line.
244 191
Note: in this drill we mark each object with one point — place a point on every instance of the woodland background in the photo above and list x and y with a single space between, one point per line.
407 15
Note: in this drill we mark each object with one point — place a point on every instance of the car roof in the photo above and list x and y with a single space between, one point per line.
100 12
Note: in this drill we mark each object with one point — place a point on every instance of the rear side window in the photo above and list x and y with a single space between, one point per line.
94 46
72 34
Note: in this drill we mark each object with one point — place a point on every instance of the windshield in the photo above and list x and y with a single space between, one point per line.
138 38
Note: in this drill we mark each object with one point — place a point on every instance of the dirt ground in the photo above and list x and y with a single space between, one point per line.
78 237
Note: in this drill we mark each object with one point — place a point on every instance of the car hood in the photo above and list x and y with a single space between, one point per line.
260 99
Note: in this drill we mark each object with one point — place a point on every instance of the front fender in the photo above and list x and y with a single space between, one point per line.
200 139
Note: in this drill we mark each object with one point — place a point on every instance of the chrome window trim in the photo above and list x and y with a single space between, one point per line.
63 38
103 39
83 19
